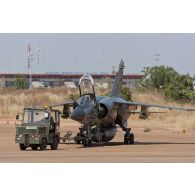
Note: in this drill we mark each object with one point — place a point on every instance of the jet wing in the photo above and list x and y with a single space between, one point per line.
152 105
138 112
67 103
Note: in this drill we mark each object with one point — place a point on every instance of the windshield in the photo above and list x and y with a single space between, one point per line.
86 85
86 100
34 116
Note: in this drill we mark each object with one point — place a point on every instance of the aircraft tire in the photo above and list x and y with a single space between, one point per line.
131 138
77 139
126 139
87 143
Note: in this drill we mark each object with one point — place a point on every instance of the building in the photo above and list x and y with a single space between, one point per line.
56 80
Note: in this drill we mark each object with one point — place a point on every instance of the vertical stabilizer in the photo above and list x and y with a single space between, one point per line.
117 86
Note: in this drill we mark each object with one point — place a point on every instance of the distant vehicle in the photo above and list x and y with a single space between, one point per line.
38 128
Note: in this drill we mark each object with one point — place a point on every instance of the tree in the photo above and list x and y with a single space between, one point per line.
180 89
157 77
126 93
171 83
21 82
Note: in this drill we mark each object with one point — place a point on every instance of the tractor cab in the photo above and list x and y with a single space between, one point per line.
41 117
39 127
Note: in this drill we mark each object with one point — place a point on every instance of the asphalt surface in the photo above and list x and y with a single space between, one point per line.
164 143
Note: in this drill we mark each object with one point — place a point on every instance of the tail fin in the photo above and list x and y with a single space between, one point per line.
117 86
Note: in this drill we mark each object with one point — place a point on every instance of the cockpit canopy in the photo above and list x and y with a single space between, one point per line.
87 92
86 85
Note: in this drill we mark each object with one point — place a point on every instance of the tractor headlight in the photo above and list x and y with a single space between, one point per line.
18 137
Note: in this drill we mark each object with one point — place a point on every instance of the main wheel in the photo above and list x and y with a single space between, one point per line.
34 147
43 144
126 139
77 138
22 147
54 145
131 138
87 143
78 141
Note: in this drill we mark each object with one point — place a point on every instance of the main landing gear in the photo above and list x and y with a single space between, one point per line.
128 137
84 138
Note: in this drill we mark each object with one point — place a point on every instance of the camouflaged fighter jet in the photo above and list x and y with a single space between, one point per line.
100 115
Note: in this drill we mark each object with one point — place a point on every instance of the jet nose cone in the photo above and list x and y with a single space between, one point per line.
77 115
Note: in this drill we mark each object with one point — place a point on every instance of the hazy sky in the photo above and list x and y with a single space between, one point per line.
96 52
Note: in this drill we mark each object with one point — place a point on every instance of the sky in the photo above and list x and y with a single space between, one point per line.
96 53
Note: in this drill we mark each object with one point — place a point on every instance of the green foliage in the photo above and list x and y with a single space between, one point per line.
146 130
175 86
108 93
21 82
181 88
75 97
126 93
157 77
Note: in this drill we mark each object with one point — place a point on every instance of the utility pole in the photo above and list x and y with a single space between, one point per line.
103 54
113 69
38 52
29 59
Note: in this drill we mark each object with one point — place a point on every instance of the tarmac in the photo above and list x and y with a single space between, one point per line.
164 143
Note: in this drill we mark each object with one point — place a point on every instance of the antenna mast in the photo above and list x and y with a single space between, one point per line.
29 59
38 52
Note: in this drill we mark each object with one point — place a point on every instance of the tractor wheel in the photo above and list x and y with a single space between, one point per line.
34 147
22 147
43 144
54 145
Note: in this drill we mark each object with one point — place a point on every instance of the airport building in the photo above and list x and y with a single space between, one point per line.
70 80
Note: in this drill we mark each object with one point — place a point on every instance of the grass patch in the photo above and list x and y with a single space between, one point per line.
147 130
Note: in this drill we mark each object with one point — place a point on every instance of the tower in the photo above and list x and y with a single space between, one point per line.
29 59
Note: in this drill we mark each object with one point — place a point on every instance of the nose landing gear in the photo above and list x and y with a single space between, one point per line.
87 142
84 138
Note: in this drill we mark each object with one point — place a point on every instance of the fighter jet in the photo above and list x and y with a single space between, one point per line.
101 115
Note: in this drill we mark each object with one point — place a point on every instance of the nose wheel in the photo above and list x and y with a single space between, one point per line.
87 142
84 137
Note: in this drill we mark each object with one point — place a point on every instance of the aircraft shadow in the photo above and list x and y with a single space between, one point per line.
136 143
